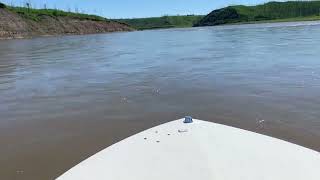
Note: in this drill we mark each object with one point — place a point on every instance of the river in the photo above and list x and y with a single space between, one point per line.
65 98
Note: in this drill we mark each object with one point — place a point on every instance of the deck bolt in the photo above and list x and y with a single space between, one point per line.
188 119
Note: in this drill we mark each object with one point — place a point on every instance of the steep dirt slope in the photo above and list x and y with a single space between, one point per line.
13 25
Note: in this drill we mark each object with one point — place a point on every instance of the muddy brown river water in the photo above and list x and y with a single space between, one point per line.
63 99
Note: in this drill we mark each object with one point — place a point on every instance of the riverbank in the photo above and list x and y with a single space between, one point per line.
22 22
288 20
164 22
19 22
238 14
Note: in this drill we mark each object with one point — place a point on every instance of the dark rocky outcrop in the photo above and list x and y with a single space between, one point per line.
2 5
220 16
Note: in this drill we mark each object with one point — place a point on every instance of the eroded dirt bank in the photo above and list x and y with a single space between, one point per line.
13 25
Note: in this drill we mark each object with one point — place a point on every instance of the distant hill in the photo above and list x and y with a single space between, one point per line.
272 11
20 22
162 22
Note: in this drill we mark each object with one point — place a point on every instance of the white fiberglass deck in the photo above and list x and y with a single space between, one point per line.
199 151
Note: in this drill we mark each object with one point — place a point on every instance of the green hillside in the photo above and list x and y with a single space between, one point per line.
162 22
272 11
36 14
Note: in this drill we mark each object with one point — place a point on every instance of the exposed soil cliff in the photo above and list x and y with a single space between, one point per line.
15 25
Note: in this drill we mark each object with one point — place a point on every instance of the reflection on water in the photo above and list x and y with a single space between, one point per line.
64 98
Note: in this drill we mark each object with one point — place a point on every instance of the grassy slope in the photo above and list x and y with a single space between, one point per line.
35 14
280 10
162 22
269 12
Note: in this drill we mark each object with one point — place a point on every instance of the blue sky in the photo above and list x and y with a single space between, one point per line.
137 8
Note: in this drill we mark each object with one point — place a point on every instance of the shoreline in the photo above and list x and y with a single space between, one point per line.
57 35
241 23
130 29
303 19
